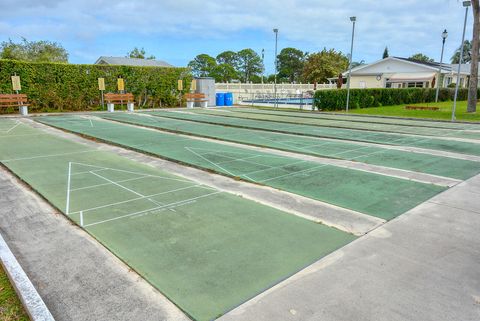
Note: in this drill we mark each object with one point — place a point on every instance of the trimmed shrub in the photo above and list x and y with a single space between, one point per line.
335 99
54 87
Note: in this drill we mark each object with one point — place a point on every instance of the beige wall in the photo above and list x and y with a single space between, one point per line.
366 82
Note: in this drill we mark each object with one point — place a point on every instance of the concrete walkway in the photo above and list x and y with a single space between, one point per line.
424 265
76 277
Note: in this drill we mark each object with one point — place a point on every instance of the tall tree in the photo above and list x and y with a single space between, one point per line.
323 65
202 65
467 53
229 58
290 64
36 51
250 64
386 54
139 54
421 57
473 85
223 73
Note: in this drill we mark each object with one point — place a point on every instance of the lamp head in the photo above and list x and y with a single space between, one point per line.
467 3
353 19
275 30
445 34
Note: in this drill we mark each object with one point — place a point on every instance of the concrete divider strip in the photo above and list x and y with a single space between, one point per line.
33 303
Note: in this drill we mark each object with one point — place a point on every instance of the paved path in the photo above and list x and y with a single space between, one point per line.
424 265
76 277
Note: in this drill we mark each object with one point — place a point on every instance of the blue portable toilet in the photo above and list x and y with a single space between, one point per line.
228 99
220 99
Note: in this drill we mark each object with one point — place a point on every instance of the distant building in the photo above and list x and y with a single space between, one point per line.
396 72
123 61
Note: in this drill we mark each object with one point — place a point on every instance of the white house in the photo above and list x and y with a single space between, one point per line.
396 72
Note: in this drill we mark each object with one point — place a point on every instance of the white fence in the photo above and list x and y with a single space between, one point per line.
246 91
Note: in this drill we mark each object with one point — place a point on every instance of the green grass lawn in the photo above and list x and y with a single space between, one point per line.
445 112
11 308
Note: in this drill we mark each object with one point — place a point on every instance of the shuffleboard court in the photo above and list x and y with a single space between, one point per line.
377 195
362 118
372 127
433 143
206 250
436 165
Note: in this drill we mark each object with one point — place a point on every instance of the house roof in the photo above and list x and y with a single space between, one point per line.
434 66
123 61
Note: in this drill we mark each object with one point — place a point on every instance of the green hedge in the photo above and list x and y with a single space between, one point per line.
53 87
335 99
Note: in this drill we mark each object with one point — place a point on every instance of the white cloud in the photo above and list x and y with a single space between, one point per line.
406 26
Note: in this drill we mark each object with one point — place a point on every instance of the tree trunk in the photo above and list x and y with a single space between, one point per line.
473 86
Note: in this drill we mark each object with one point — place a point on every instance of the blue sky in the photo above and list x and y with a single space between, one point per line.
178 30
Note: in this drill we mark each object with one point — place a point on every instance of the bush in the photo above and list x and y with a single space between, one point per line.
335 99
53 87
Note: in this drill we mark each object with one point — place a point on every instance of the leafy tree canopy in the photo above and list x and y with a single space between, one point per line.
467 53
290 64
139 53
249 64
228 57
35 51
323 65
203 65
421 57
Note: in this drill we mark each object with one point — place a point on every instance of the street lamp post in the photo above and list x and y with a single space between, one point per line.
444 37
466 4
263 63
353 20
276 67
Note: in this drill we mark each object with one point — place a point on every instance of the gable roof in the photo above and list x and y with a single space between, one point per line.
434 66
123 61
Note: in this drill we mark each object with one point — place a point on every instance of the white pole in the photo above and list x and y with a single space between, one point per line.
81 218
353 19
466 4
276 67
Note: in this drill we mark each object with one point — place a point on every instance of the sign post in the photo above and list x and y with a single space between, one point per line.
16 86
180 89
101 87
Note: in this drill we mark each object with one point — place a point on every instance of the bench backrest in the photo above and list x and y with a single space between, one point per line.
13 99
195 96
119 98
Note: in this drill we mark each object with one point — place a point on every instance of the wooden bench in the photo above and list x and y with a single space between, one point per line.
15 100
120 99
421 108
193 98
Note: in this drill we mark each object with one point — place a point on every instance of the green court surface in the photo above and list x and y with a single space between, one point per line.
328 132
436 165
362 119
206 250
388 128
377 195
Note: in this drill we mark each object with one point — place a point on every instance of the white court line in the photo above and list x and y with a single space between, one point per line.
46 156
210 161
274 167
130 172
154 209
126 188
24 135
88 172
99 185
11 128
117 184
67 206
295 173
140 198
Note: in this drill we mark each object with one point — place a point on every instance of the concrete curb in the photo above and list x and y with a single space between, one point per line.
33 303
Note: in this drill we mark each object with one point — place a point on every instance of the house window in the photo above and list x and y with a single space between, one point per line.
415 84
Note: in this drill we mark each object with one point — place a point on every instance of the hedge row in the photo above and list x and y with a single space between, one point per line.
53 87
335 99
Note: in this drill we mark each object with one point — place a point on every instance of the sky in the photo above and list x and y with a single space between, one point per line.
178 30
